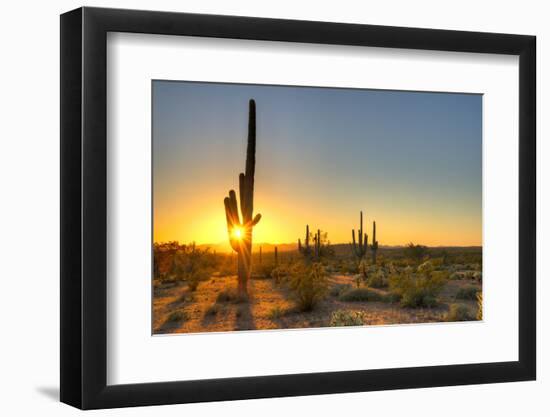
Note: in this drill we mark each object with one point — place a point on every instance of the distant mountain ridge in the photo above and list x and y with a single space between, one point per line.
289 247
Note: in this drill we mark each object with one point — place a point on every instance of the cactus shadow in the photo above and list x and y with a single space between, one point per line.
244 319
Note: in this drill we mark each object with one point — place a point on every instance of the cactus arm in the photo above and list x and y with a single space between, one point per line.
230 225
255 220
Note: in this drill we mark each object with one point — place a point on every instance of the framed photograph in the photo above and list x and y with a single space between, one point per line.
257 208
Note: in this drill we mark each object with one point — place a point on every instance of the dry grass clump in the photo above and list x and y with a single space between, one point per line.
276 312
479 315
459 312
341 318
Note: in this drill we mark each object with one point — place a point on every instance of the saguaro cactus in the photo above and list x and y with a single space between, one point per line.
240 231
305 250
359 249
276 256
317 240
260 255
374 245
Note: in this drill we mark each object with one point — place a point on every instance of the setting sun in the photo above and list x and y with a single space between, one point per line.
237 233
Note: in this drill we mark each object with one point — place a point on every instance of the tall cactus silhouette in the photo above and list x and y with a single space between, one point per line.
374 245
239 229
359 249
317 240
305 250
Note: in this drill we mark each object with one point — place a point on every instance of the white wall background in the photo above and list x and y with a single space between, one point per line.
29 175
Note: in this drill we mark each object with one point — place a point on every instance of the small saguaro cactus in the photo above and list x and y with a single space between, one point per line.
374 245
260 255
276 256
240 231
317 240
305 250
359 249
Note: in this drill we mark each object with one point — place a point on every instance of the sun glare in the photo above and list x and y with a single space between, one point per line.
237 233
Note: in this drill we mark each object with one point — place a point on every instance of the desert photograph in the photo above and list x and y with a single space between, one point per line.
290 207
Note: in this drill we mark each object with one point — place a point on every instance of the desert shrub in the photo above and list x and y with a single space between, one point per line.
346 318
276 312
418 289
192 265
363 268
339 289
177 315
360 294
195 277
455 276
477 276
264 270
437 262
227 268
416 252
377 280
309 284
348 267
467 293
279 273
459 312
479 315
392 297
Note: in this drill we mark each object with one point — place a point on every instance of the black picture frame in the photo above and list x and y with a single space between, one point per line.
84 207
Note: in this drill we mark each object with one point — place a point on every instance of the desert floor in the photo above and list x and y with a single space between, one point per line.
178 310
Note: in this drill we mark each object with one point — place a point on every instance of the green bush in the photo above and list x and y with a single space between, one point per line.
420 288
467 293
459 312
346 318
339 289
360 294
309 284
377 280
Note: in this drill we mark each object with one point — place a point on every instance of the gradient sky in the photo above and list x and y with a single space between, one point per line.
411 161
